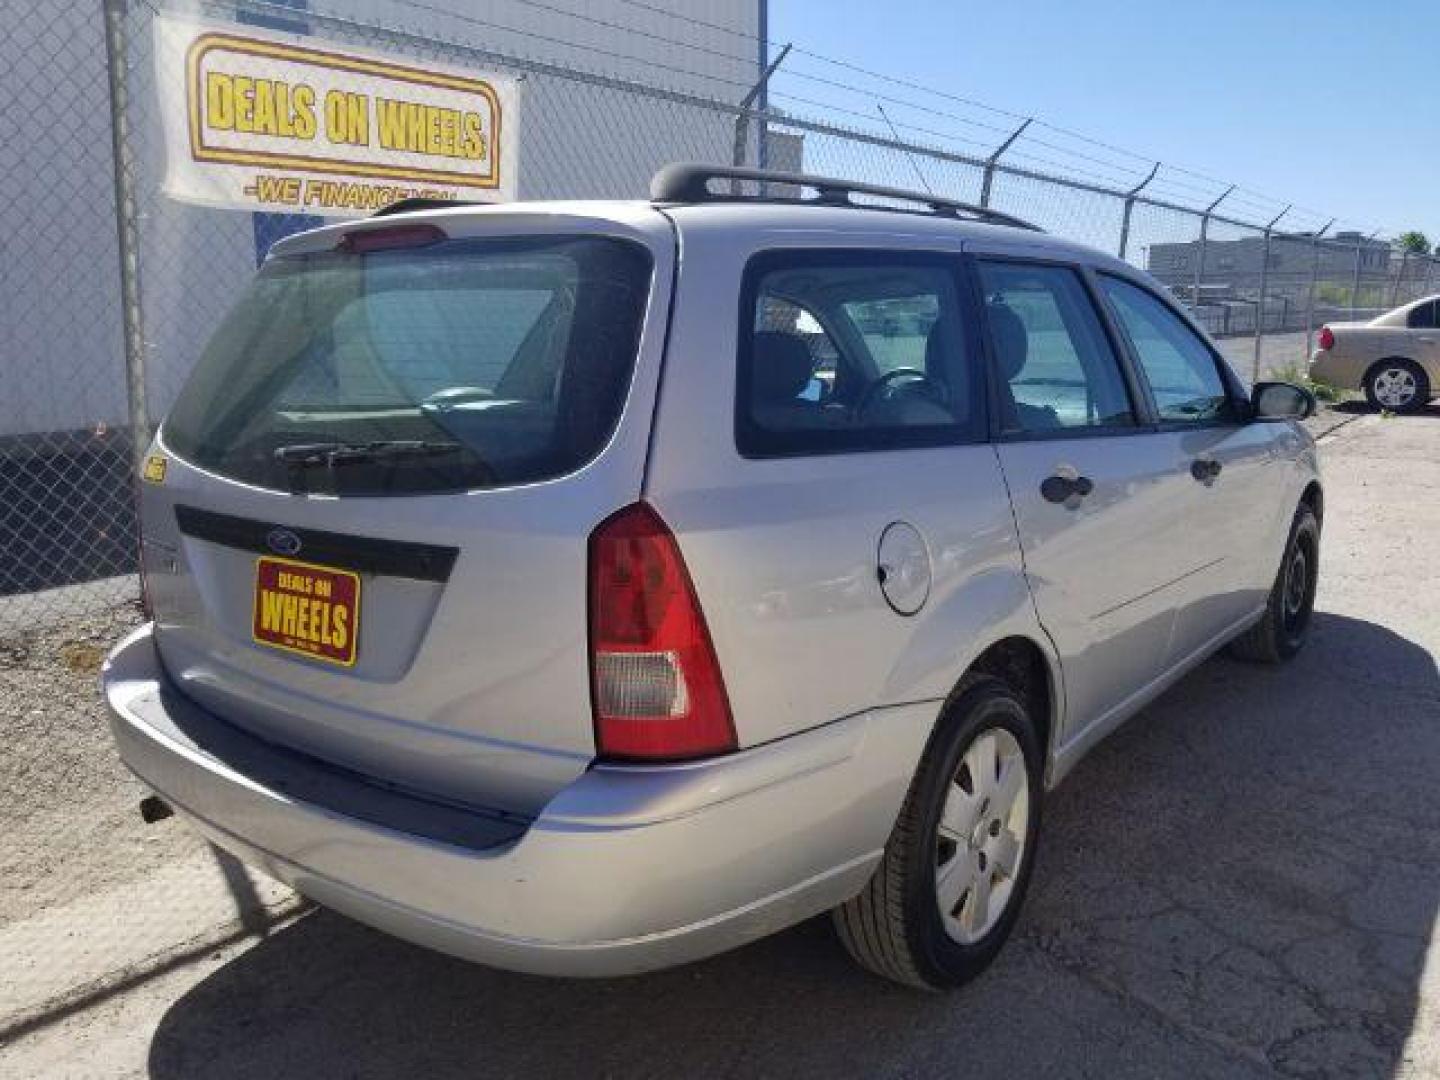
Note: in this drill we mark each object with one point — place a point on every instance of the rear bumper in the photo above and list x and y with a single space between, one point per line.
625 870
1328 366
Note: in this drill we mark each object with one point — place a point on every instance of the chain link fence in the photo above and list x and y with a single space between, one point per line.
97 354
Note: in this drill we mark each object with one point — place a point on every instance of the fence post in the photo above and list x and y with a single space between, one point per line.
1429 268
742 117
1355 284
1310 299
127 232
994 159
1260 303
1204 242
1130 208
1399 277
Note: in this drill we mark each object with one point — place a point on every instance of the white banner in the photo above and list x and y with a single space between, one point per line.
259 120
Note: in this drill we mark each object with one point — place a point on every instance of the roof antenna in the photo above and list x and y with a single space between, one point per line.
908 155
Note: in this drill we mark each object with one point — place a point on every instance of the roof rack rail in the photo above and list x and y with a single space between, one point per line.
689 182
421 202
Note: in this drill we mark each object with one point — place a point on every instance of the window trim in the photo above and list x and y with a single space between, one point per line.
1139 401
758 444
1234 389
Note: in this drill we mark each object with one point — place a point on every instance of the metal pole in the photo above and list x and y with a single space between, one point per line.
1130 207
1264 285
762 148
1355 283
743 116
1399 277
1429 268
1310 300
127 231
1204 241
994 159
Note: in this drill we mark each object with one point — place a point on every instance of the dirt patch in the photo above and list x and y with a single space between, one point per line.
68 803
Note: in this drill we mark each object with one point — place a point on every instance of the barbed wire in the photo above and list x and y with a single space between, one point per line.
1260 202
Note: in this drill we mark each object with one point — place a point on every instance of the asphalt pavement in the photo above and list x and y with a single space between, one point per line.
1242 881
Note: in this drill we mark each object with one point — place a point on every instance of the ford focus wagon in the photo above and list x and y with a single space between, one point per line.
585 588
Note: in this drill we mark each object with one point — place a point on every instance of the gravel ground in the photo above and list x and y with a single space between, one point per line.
67 802
1278 352
1242 882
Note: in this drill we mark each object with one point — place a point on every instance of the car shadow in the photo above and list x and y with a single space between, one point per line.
1361 407
1243 879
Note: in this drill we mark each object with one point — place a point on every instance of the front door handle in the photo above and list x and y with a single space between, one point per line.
1205 470
1066 489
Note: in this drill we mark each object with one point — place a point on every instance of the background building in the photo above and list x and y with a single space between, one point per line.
1234 269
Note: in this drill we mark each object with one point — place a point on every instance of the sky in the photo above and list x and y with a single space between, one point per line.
1332 105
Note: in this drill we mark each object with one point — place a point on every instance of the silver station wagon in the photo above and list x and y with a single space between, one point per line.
585 588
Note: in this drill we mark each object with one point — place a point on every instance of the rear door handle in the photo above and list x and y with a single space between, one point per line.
1205 470
1066 489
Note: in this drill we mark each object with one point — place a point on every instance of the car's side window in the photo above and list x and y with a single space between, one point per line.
853 350
1056 369
1422 317
1183 373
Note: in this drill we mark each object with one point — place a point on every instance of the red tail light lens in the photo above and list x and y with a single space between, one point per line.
655 685
1327 338
364 241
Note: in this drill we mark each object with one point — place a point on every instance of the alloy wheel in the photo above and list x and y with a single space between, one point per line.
1395 388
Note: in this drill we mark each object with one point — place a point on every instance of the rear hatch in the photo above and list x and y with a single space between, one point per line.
368 541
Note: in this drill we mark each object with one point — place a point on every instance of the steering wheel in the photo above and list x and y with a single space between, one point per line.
931 388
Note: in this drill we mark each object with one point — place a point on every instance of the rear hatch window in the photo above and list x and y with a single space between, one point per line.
457 364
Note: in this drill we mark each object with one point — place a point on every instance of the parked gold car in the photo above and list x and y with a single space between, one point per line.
1394 358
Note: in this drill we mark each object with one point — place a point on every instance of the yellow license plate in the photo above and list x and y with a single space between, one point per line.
307 609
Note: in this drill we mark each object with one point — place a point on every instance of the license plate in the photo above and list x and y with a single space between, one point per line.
306 609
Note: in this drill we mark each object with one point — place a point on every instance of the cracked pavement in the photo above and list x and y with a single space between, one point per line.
1243 881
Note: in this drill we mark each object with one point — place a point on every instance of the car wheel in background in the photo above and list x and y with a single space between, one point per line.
1286 624
949 887
1397 386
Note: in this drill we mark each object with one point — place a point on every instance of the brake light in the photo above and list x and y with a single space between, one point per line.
655 685
1327 338
365 241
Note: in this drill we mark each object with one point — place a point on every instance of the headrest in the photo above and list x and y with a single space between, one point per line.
781 368
1012 343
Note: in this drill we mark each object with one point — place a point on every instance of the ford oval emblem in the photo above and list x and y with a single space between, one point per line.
282 541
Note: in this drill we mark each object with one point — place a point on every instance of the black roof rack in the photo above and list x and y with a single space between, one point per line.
689 182
419 202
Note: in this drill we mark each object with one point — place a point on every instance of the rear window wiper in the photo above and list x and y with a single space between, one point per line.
331 454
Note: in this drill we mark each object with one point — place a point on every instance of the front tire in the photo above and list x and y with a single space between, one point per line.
1398 386
1285 627
950 885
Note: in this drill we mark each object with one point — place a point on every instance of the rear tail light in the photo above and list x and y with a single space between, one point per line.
655 685
1327 338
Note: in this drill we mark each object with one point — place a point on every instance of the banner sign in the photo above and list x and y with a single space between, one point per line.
270 121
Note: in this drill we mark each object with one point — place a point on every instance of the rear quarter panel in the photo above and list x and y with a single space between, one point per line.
783 551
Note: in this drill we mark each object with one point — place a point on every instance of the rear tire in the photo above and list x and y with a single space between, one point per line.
953 877
1285 627
1398 386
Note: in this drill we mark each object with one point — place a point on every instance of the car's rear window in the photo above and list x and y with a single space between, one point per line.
459 365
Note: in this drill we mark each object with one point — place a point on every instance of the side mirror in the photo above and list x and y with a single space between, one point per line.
1281 401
